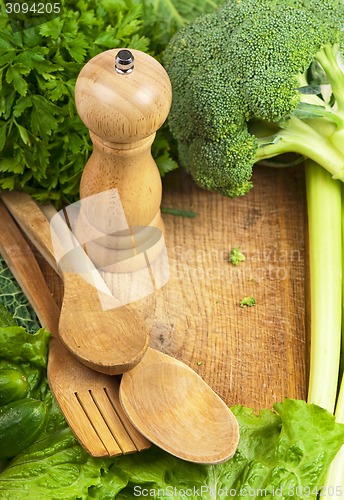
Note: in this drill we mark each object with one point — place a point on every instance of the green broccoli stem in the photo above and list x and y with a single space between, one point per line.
332 115
299 136
328 130
328 57
325 128
337 139
325 260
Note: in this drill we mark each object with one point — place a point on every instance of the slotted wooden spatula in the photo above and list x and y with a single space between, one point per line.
89 400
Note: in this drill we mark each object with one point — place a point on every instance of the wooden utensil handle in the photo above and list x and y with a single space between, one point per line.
32 221
24 267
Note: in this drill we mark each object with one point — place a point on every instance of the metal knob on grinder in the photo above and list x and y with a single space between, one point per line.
124 62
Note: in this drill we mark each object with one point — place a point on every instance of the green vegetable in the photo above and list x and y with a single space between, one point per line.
13 386
246 87
235 256
21 422
6 318
17 345
325 203
44 144
324 226
21 351
14 302
190 214
288 451
248 302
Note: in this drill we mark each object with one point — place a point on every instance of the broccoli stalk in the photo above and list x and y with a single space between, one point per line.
301 137
246 88
328 58
315 129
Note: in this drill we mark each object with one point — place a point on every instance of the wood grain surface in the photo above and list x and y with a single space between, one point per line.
251 356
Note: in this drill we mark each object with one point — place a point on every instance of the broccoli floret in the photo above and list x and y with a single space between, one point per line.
230 158
235 256
248 302
245 82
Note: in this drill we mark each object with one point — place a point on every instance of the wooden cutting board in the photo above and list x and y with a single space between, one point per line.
252 356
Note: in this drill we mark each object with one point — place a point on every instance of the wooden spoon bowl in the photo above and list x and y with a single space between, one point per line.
176 410
110 342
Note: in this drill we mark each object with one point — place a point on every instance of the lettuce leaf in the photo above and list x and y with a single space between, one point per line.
20 346
55 467
284 454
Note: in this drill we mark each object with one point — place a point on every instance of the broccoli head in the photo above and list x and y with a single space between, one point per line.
247 86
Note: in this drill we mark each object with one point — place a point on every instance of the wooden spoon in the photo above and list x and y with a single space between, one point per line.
111 341
176 410
163 398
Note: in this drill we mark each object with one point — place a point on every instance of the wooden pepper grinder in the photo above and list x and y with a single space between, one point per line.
123 97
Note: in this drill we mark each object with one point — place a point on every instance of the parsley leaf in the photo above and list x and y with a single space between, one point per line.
44 146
